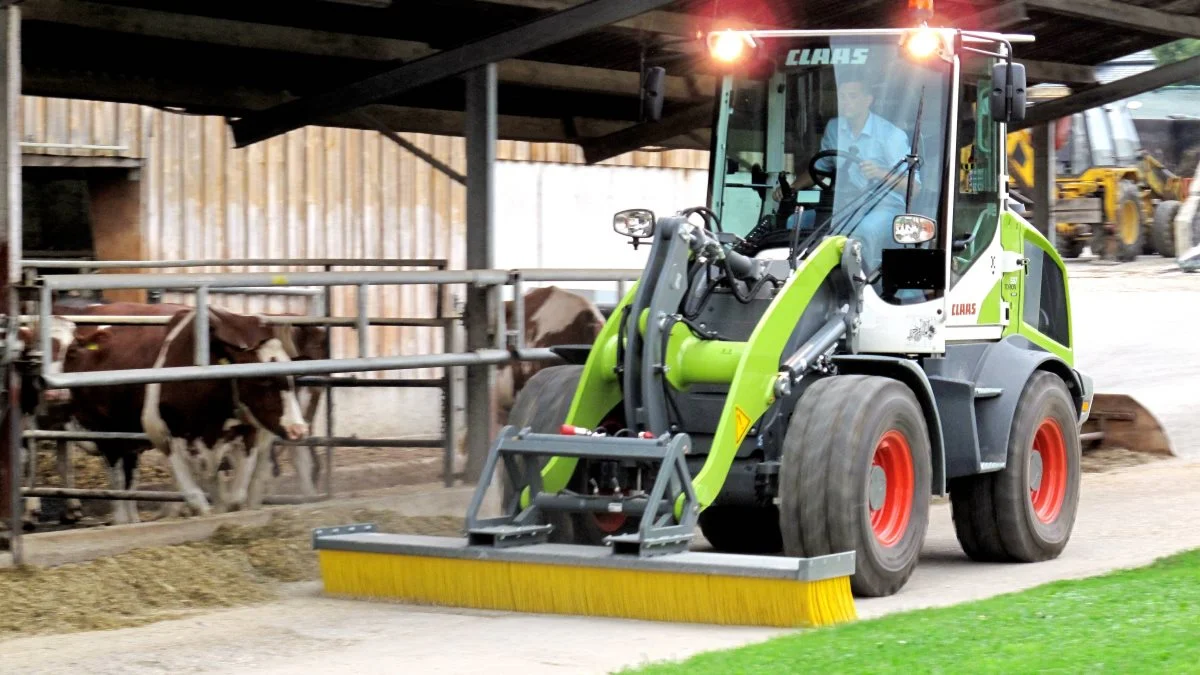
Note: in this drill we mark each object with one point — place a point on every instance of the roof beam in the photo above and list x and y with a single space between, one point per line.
550 30
647 133
1109 93
207 100
664 23
1064 73
1124 15
995 18
229 33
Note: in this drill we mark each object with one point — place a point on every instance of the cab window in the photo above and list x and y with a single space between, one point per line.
976 204
1045 302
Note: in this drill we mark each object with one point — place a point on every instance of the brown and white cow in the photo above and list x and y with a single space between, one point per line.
301 342
553 317
44 411
187 417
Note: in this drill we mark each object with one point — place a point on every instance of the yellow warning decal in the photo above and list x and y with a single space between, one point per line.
742 423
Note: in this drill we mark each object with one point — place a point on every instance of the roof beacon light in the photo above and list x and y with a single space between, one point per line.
921 9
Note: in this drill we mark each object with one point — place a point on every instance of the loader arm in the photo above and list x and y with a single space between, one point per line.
1161 180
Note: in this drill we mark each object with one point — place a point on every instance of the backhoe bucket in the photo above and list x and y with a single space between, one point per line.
1119 421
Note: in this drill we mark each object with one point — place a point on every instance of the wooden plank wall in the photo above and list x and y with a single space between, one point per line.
314 193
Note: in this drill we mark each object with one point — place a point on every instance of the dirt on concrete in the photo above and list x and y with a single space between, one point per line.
237 566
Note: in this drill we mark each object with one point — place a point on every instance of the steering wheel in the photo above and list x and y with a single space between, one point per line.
818 174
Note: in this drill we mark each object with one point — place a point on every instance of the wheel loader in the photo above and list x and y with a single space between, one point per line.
854 322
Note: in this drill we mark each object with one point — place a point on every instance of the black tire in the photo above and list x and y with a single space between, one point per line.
1127 244
1163 229
995 517
742 529
825 478
542 405
1071 247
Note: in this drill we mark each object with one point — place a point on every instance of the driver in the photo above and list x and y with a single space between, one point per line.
874 146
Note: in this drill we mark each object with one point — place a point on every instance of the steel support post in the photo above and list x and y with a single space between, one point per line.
10 276
328 308
1044 175
481 154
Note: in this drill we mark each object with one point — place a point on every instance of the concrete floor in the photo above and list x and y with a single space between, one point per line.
1135 330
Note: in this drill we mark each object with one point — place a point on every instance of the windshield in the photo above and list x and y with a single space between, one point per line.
1125 137
855 101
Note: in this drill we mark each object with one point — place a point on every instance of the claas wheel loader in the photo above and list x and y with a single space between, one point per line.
855 322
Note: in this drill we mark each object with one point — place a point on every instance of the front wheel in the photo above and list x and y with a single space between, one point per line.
856 475
1163 228
542 405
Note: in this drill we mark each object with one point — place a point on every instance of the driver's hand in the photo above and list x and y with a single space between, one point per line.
778 194
872 170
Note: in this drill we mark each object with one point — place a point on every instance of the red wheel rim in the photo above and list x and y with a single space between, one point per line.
1048 471
890 488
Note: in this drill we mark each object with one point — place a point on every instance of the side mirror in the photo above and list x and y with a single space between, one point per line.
910 228
637 224
1008 95
653 92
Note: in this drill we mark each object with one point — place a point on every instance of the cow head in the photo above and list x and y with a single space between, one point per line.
266 402
553 317
62 333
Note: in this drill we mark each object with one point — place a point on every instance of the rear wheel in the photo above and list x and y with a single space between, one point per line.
542 405
855 475
1025 513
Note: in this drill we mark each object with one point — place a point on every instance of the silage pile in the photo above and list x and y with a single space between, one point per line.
237 566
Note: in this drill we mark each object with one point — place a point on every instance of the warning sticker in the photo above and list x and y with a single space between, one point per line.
741 423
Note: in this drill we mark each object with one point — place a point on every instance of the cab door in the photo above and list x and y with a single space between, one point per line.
978 308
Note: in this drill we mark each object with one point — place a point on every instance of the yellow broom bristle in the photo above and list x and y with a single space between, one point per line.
589 591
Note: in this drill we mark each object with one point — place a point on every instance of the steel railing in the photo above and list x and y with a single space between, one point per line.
509 344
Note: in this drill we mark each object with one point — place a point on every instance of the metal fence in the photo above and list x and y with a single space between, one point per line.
509 342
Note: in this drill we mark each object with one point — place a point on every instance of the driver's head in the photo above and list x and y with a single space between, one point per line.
854 99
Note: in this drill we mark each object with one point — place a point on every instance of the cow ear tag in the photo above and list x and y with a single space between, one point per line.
224 362
92 346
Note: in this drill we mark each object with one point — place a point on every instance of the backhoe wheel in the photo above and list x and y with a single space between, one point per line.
855 475
742 529
1026 512
542 405
1128 222
1070 246
1163 229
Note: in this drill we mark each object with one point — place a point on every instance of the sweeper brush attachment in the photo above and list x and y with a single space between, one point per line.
692 586
507 563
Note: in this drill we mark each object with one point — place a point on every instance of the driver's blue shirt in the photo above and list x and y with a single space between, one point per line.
880 142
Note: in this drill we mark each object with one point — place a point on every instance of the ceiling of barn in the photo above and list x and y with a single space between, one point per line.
233 57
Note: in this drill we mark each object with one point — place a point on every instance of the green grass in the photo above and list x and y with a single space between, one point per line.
1132 621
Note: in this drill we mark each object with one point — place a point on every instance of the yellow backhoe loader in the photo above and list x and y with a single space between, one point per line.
1110 193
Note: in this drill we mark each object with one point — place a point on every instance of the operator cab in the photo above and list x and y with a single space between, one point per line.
853 133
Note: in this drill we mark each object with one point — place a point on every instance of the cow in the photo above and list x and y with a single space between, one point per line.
301 343
553 317
42 411
183 418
